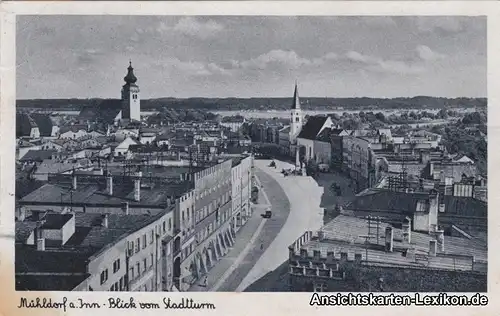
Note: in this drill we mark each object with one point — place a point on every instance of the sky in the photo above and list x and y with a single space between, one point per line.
251 56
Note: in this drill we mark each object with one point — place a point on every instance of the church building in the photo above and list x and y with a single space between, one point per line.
114 111
288 135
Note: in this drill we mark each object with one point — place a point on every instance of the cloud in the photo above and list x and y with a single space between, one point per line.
192 26
376 64
276 58
396 67
191 68
282 59
358 57
427 54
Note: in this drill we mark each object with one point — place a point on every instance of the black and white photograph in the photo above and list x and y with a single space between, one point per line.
240 153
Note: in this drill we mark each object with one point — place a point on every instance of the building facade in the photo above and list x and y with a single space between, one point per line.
241 186
213 231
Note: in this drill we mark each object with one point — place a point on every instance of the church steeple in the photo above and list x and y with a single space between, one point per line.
131 100
296 100
296 116
130 78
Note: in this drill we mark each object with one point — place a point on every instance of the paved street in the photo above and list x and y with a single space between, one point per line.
262 244
229 271
304 195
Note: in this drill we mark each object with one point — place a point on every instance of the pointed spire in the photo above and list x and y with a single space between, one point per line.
296 100
130 77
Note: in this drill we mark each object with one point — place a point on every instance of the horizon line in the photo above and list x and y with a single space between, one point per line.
260 97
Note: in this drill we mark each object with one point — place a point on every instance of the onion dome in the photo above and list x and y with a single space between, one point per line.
130 77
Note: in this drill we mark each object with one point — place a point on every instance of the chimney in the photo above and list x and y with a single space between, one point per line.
424 157
389 239
432 248
407 231
22 214
440 239
109 183
104 222
137 186
330 256
321 235
125 208
74 181
40 244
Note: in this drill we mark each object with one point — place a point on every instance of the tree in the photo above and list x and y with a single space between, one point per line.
474 118
442 114
380 116
351 124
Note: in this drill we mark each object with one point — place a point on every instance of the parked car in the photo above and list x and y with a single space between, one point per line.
267 214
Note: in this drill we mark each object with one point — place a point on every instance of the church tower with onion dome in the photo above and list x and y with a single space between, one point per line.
131 99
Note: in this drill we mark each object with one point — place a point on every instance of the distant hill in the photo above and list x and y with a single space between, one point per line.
419 102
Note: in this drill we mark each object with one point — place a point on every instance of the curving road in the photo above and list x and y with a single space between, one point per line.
304 196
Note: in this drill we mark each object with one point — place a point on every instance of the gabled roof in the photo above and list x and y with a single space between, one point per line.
44 123
465 206
406 203
385 200
384 131
73 128
339 132
106 111
37 155
24 124
312 127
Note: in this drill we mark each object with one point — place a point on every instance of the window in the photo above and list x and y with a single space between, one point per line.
144 241
104 276
121 283
116 266
145 263
138 268
182 215
137 245
132 276
152 236
164 227
152 259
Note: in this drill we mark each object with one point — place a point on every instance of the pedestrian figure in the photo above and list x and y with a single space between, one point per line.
261 246
205 281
